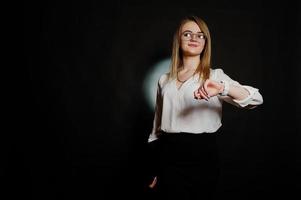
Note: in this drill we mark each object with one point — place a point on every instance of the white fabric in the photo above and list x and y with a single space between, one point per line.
177 111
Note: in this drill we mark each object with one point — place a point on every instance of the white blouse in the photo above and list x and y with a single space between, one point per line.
177 110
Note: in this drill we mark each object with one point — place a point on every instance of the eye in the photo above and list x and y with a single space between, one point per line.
187 34
201 36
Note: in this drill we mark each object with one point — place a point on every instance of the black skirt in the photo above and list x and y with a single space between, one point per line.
188 166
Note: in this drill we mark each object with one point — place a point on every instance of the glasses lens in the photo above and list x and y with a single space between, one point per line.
196 36
186 36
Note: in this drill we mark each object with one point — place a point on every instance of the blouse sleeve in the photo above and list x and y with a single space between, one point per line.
251 101
157 117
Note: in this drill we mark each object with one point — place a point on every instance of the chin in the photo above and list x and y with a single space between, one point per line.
192 53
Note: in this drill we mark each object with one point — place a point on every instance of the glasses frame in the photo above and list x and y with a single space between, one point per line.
192 36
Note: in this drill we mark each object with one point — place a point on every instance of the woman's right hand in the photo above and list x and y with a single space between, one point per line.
153 184
209 89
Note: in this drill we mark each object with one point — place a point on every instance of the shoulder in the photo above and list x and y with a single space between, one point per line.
163 79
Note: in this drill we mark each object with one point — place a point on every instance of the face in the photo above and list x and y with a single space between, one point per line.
192 39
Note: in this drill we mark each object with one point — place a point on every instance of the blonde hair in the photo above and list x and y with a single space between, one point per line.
205 58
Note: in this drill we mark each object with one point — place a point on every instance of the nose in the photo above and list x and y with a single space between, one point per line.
193 38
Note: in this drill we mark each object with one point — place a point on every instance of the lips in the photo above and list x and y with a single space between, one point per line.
193 45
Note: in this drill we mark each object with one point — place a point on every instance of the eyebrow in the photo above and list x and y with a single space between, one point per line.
191 31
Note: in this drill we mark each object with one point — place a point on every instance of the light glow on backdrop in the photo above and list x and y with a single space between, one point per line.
151 81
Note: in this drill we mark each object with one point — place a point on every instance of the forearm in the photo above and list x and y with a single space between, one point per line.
237 92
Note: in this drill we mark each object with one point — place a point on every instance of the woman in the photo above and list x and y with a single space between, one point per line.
188 115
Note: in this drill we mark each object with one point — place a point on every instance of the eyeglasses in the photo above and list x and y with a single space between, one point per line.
188 36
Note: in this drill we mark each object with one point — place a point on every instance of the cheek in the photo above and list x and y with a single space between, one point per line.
183 45
201 47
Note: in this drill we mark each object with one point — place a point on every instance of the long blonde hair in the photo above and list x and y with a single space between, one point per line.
205 58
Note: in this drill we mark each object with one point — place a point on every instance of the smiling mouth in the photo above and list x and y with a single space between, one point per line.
193 45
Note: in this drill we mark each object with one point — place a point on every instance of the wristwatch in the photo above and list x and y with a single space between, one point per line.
226 88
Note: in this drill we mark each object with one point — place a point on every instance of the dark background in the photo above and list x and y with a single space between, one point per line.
82 120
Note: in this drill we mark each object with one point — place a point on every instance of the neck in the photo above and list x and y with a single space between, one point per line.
191 62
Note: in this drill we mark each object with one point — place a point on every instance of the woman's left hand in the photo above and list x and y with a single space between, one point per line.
209 89
154 182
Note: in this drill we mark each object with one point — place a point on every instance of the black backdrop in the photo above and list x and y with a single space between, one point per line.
83 120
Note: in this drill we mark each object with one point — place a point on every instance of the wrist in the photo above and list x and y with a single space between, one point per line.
225 88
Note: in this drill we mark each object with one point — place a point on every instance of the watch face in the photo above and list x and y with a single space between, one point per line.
226 88
223 83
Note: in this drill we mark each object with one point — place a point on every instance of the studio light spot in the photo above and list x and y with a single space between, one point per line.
151 81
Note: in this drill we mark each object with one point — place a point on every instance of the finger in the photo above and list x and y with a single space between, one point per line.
203 95
205 92
197 94
152 185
